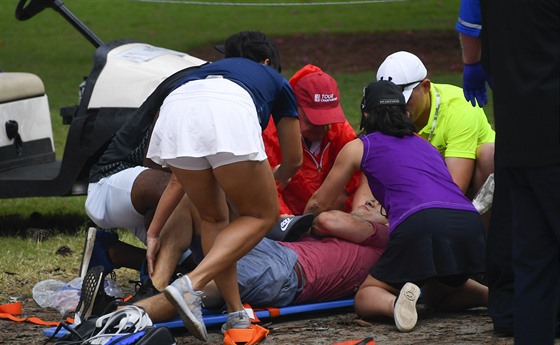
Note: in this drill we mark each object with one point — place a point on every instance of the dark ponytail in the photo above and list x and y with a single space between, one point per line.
391 120
253 45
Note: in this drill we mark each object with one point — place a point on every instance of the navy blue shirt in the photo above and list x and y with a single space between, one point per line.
271 92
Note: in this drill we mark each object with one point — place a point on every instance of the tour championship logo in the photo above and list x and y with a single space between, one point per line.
325 98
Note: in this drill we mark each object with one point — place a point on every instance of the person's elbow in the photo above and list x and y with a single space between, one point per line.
296 163
293 163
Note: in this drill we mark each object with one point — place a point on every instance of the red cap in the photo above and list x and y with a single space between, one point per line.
317 93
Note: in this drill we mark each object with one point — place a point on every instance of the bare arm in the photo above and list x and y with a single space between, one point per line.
346 163
170 198
363 193
346 226
471 48
289 139
461 170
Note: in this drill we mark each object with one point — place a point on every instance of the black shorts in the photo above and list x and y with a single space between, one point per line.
445 244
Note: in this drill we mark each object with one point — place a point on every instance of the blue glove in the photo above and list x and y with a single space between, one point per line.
474 84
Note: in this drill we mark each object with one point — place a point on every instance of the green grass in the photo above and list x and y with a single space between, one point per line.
50 47
24 263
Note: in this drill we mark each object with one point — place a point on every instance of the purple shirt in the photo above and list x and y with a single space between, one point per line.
407 175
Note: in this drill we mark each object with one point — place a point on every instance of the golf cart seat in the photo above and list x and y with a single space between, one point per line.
25 123
17 85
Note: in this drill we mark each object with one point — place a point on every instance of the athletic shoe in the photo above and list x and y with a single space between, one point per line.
93 299
237 319
189 304
143 290
128 325
405 307
96 250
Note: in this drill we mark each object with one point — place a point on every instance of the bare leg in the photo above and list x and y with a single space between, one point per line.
159 309
441 297
375 298
212 297
176 237
253 194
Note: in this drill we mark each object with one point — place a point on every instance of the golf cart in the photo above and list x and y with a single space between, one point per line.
123 75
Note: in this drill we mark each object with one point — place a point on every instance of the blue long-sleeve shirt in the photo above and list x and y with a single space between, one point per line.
469 21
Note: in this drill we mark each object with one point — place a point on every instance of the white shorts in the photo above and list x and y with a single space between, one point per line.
109 204
205 118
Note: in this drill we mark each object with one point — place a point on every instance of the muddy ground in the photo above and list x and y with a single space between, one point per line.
469 327
440 51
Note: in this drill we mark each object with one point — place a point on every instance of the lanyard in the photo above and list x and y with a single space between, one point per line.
435 116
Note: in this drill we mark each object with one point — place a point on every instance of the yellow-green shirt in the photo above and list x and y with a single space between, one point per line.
460 128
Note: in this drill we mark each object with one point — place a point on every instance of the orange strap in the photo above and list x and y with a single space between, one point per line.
7 311
274 312
11 308
250 312
247 336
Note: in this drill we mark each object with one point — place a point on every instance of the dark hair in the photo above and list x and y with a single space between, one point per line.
253 45
391 120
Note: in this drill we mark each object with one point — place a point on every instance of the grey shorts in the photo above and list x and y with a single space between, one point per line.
266 275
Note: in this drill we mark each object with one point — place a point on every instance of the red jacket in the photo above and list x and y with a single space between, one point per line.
314 170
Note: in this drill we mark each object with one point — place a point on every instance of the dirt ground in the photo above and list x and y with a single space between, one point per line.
323 328
440 51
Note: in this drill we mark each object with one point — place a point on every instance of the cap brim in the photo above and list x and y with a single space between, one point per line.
408 90
406 94
321 117
290 229
220 48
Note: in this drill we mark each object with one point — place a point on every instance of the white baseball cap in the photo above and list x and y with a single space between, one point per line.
404 69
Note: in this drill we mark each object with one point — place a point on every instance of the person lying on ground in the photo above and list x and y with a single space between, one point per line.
277 274
436 235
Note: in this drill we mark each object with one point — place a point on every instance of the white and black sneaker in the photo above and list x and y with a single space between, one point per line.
405 312
93 299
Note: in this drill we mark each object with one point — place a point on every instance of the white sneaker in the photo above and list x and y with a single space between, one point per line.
237 319
405 307
189 304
